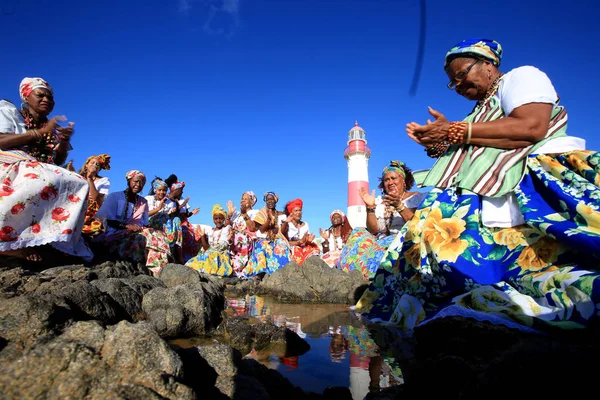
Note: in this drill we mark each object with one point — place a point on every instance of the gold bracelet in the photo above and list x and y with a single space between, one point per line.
469 129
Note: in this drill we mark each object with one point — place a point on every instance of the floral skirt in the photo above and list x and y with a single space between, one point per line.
42 204
267 256
241 250
301 253
363 252
331 257
541 274
148 246
92 226
170 226
212 262
190 245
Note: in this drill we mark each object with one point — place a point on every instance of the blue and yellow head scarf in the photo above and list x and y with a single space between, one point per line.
158 184
272 194
486 49
396 166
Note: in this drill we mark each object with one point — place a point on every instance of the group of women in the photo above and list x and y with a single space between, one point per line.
509 232
250 243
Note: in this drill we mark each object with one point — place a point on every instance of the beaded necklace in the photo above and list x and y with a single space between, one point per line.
491 91
44 148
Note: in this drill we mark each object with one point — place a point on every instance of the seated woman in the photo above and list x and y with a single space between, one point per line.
125 218
42 204
244 229
190 245
271 250
99 188
163 214
297 233
511 231
214 257
335 237
386 215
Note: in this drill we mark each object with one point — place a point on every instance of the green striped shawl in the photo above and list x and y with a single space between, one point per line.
488 171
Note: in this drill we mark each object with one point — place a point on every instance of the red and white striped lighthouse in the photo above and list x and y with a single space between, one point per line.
357 153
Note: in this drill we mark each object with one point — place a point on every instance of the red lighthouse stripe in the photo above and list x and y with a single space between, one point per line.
353 196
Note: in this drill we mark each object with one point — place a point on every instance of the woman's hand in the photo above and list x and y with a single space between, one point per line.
393 199
369 199
230 209
195 211
66 132
133 227
431 133
324 234
51 125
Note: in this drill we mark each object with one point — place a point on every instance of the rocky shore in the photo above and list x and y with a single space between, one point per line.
107 331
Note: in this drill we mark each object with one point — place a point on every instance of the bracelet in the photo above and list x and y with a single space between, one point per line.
370 210
456 132
246 217
436 150
469 128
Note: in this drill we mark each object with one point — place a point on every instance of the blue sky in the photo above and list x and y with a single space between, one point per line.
260 94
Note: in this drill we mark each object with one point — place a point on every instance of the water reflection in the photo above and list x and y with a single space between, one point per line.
342 350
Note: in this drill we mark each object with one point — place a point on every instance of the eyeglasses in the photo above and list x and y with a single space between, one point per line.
458 78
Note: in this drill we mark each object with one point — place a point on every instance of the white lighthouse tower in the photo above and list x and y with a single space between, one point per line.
357 153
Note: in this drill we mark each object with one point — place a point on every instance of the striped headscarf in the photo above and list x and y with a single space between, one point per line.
134 173
252 196
272 194
396 166
218 209
28 85
486 49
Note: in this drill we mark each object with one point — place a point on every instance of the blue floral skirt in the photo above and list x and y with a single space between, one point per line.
540 274
268 256
363 252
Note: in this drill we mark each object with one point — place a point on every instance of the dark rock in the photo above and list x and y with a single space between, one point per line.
184 310
315 281
25 320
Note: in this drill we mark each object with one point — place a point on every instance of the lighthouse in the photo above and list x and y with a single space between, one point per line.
357 154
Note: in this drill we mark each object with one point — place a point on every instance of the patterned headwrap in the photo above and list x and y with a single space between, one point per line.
177 185
272 194
134 173
103 160
396 166
252 196
293 204
158 184
487 49
336 212
28 85
218 209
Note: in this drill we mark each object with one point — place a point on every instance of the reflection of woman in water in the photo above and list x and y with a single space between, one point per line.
338 345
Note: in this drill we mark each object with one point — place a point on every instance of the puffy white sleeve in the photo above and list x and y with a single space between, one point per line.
11 120
103 185
525 85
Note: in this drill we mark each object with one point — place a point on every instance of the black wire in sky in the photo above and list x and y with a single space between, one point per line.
420 50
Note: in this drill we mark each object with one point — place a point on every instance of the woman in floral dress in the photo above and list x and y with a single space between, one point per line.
214 257
244 232
271 250
99 188
511 231
125 218
164 215
41 204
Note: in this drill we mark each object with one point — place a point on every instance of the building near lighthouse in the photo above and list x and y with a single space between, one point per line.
357 155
